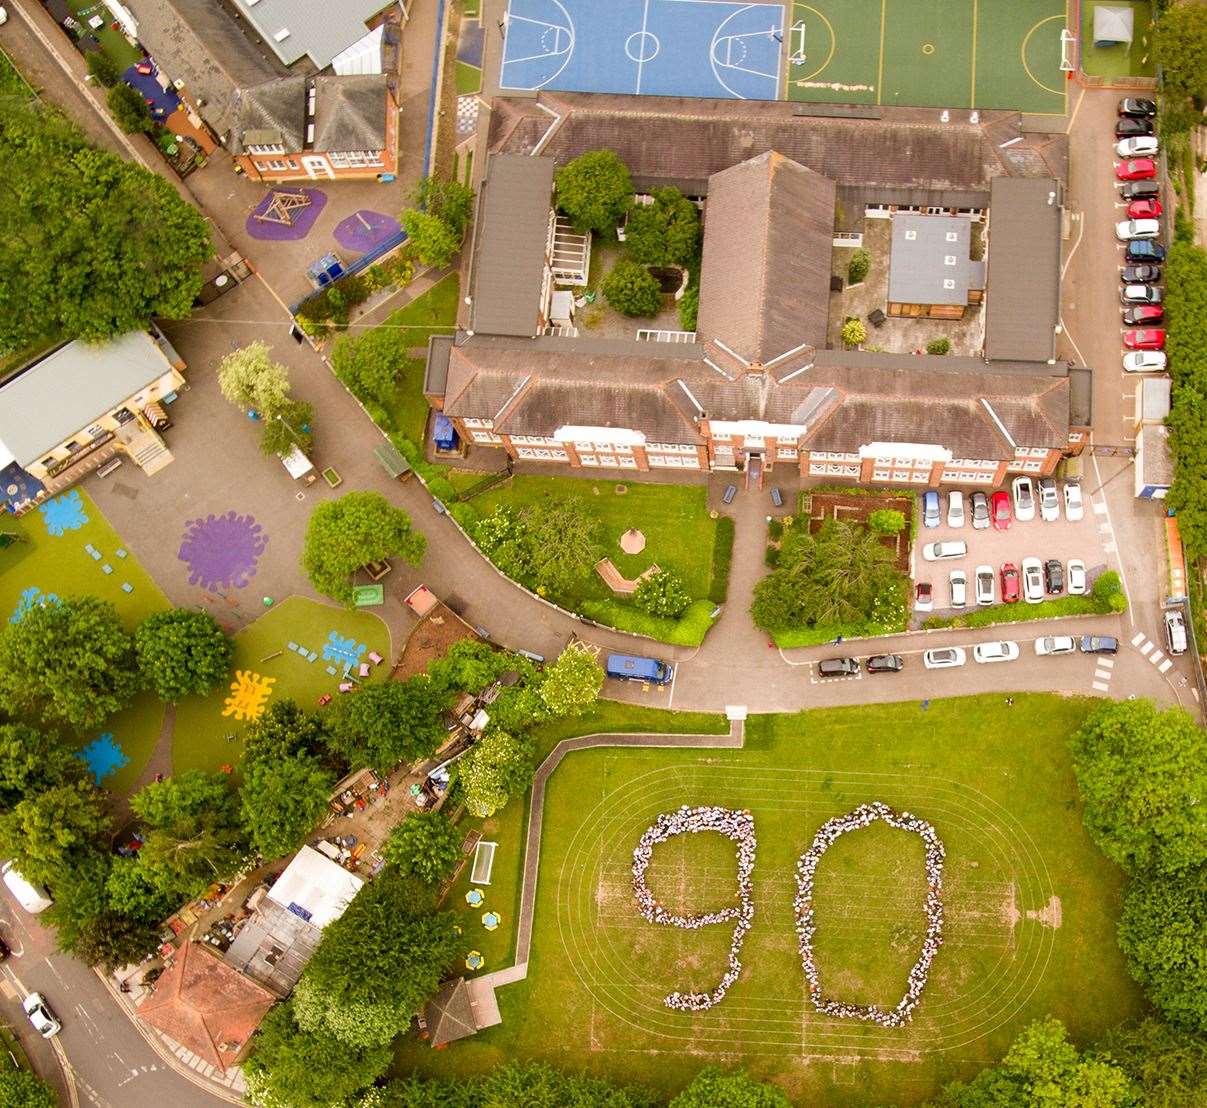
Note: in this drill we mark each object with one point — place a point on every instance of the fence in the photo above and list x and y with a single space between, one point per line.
363 262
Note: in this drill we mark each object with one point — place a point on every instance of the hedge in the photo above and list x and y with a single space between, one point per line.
688 630
1019 613
722 556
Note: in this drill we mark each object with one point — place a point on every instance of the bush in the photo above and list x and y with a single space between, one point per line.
854 332
103 68
662 594
1108 593
666 232
941 345
688 630
887 521
689 308
129 109
632 290
722 555
859 265
595 191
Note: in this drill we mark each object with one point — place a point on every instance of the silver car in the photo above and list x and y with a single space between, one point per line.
1055 644
1049 500
958 580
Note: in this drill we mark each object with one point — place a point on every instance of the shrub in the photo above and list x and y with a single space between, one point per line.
941 345
631 289
129 109
103 68
854 332
688 630
594 190
662 594
722 555
887 521
859 265
1108 593
689 308
666 232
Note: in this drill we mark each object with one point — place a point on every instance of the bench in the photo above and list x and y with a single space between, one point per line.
730 492
109 467
777 498
619 584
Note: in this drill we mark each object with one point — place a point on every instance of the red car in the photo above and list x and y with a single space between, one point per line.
1152 338
1137 169
999 510
1144 209
1143 315
1009 582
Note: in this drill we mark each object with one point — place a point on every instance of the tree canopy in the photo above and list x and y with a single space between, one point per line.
594 190
437 224
22 1089
549 546
572 683
666 232
345 534
498 766
388 722
73 662
129 109
33 760
251 379
48 832
1143 777
662 594
1181 48
283 799
182 652
92 245
716 1088
470 666
425 845
435 243
1167 1064
632 290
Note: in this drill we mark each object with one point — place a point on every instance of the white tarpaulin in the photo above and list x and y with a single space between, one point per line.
362 57
1112 26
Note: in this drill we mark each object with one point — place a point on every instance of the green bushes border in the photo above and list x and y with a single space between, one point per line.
688 630
722 559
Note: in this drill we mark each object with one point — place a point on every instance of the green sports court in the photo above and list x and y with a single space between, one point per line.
940 53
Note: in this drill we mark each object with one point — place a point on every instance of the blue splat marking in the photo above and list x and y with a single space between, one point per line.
103 757
64 513
339 649
31 597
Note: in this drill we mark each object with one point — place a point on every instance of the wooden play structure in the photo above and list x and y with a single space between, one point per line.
282 204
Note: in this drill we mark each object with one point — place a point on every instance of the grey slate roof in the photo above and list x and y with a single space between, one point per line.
765 273
350 112
510 234
273 113
928 259
61 394
317 28
449 1014
1155 455
1023 286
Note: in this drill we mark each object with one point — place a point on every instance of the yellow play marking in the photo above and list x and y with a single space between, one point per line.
249 691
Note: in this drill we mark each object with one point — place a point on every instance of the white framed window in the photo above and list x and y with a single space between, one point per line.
627 462
921 477
788 452
881 475
477 422
276 164
485 436
354 159
540 454
884 461
266 148
588 459
1032 467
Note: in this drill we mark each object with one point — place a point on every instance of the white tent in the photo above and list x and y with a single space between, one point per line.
1112 26
363 56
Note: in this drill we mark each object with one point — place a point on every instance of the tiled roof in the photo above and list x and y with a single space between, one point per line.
273 113
450 1015
350 112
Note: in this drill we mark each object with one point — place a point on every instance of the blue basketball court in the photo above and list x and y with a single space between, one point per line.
704 48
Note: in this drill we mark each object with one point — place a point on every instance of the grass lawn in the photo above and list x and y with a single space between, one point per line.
114 43
1138 60
11 81
1030 906
200 738
49 564
469 78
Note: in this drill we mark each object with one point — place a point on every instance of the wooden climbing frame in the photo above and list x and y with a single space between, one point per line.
281 206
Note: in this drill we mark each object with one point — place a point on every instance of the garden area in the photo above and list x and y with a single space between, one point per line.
1115 60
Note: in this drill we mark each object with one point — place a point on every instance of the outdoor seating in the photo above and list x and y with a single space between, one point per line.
347 686
730 492
375 658
777 498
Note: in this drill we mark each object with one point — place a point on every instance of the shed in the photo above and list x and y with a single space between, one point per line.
392 461
450 1014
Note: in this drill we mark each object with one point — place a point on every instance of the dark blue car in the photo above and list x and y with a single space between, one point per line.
1144 250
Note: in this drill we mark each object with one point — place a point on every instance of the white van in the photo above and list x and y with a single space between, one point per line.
32 898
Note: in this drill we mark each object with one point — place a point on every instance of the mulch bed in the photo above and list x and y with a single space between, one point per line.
856 509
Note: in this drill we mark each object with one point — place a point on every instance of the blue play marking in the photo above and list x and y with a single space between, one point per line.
339 649
30 598
102 756
700 48
64 513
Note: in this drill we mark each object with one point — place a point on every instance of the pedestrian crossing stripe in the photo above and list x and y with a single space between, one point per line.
1137 638
1165 665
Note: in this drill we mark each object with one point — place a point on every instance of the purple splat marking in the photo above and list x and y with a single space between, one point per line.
303 219
365 229
222 551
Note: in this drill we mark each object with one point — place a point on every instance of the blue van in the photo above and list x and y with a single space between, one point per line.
629 667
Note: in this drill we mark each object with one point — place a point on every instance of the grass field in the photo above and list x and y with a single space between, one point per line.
1119 61
1030 905
981 53
469 78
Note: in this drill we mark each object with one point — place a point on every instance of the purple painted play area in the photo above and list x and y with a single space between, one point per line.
365 229
222 551
279 217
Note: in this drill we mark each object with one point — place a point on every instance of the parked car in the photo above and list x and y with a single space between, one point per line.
1148 338
1078 585
1137 106
1142 146
1054 576
931 513
885 663
1049 500
980 510
1024 499
1033 580
940 551
1074 509
45 1022
1141 250
838 667
1138 188
1001 510
955 508
985 585
943 657
1147 208
1143 314
957 581
924 600
1145 361
1143 274
1141 294
1003 651
1009 583
1127 229
1055 644
1175 632
1136 169
1099 644
1129 125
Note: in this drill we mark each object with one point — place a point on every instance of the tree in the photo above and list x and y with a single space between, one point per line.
470 666
534 1085
562 540
376 965
887 521
282 730
111 941
595 191
632 290
571 685
32 761
498 766
941 345
45 833
1163 936
450 201
1168 1065
1181 48
250 379
73 662
435 243
129 109
715 1088
182 652
283 800
1142 774
854 333
347 533
292 1067
22 1089
290 427
666 232
689 308
858 266
103 68
80 897
425 845
662 594
1108 592
369 364
389 722
134 890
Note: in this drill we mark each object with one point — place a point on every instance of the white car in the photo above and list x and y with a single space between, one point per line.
1077 581
1074 509
955 508
1023 495
985 584
1004 651
1144 361
1175 632
939 551
943 657
1139 146
1137 229
45 1022
1049 501
958 580
1056 644
1033 580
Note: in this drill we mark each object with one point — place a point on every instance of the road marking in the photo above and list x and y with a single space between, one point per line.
1156 657
1146 648
1101 675
1100 686
1099 507
1137 638
1109 547
1106 663
1164 666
